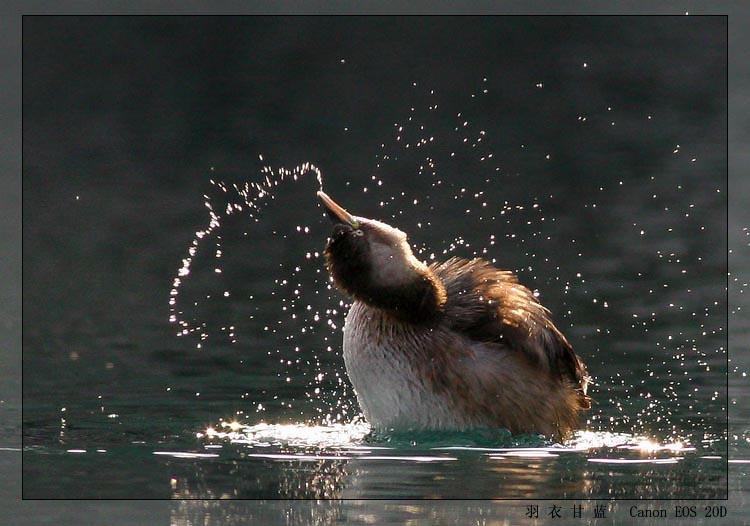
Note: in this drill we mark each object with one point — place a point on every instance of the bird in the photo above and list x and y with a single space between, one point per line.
450 346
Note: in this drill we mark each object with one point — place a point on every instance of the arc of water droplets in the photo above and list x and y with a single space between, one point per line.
253 195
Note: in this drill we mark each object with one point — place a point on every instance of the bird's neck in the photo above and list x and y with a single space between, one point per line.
418 299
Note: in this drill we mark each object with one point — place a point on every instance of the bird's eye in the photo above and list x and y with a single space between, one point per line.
358 233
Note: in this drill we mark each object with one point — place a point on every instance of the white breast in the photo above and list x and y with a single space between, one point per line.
380 361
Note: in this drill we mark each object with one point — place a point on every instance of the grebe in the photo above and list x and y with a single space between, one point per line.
447 346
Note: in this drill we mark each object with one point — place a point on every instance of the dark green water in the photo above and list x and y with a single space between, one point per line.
602 185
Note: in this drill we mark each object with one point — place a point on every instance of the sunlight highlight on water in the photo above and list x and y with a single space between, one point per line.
299 442
295 435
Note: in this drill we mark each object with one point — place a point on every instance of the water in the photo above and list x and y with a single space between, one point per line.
465 465
619 227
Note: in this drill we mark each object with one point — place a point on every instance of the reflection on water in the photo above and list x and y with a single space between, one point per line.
342 461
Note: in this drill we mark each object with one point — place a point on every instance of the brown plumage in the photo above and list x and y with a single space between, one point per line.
453 345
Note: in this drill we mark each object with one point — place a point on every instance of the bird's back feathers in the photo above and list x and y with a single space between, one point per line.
490 306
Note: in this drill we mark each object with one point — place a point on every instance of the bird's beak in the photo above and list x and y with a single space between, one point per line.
336 212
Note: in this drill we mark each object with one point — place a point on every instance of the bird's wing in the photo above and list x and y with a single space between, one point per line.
489 305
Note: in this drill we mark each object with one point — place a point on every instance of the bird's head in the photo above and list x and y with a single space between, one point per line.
373 262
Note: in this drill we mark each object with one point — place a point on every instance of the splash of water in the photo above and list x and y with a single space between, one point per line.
253 196
303 323
436 159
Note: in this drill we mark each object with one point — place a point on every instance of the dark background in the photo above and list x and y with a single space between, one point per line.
131 114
